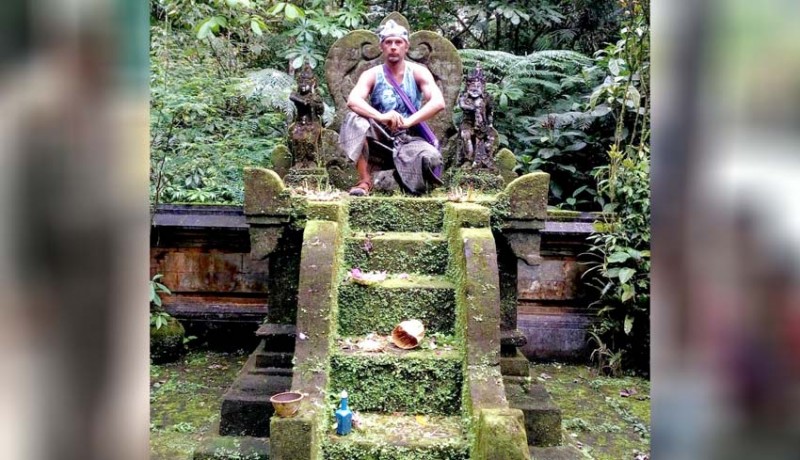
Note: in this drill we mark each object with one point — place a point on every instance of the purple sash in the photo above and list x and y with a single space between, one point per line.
426 130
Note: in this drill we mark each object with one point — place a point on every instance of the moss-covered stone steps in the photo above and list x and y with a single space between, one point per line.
379 307
396 214
399 252
400 437
414 381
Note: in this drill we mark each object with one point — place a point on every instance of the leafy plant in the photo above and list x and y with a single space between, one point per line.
621 242
158 317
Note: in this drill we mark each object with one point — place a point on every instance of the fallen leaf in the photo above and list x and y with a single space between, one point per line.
628 392
422 420
545 376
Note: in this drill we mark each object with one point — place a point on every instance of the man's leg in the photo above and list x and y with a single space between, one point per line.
364 177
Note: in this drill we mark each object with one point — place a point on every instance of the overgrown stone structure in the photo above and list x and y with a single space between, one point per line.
451 262
469 397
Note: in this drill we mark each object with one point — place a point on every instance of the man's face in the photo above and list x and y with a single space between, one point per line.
394 49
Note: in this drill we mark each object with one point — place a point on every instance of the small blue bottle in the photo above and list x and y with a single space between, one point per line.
344 418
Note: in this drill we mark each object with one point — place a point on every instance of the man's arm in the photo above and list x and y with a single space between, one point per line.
358 103
431 93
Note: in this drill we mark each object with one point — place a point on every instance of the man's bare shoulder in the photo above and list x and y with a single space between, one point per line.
420 71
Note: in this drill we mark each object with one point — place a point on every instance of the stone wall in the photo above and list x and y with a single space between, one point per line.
204 254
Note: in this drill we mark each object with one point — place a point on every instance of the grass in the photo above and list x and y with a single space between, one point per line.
595 417
185 400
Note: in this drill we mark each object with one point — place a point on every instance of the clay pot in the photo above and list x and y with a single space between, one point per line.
408 334
286 404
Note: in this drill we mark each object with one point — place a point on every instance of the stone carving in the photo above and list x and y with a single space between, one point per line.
477 134
306 130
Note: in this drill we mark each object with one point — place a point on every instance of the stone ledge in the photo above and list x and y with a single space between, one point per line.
542 416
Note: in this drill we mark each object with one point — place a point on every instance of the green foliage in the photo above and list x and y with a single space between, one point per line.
158 317
156 289
621 242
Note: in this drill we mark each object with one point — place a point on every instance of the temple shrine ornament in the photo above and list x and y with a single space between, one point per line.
476 130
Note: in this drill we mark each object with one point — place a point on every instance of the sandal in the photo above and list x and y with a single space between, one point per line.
361 189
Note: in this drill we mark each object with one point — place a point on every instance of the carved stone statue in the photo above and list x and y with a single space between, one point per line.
306 130
477 132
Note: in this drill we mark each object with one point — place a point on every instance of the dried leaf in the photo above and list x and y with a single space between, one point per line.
628 392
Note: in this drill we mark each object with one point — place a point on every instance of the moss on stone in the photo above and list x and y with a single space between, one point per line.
469 215
479 180
380 307
294 438
424 253
325 210
166 342
417 382
500 435
528 196
396 214
281 159
232 448
264 193
392 436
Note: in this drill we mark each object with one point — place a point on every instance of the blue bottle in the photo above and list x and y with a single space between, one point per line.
344 418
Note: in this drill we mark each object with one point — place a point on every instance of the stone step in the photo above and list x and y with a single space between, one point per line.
277 337
542 416
278 359
396 214
245 409
555 453
393 436
398 252
381 306
411 381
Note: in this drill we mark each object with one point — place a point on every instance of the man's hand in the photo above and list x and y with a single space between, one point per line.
392 120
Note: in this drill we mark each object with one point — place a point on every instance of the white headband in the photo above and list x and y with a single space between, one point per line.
393 29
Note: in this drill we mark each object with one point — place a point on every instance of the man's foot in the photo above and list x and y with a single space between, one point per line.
361 189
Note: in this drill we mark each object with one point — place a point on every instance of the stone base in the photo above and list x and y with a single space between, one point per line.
480 180
311 178
232 448
515 365
246 409
542 416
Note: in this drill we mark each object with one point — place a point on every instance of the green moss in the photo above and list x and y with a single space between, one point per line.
595 401
325 210
396 214
232 448
401 437
419 382
421 252
500 435
166 342
380 307
528 196
185 399
483 181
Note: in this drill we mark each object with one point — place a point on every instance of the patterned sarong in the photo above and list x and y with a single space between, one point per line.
411 156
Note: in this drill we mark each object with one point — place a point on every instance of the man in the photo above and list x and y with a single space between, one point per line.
382 130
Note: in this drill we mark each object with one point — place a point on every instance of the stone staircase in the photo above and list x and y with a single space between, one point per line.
409 402
444 401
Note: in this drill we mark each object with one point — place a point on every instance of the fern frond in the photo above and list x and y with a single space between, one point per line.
273 88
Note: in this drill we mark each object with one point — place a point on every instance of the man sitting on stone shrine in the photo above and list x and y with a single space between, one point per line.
385 128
